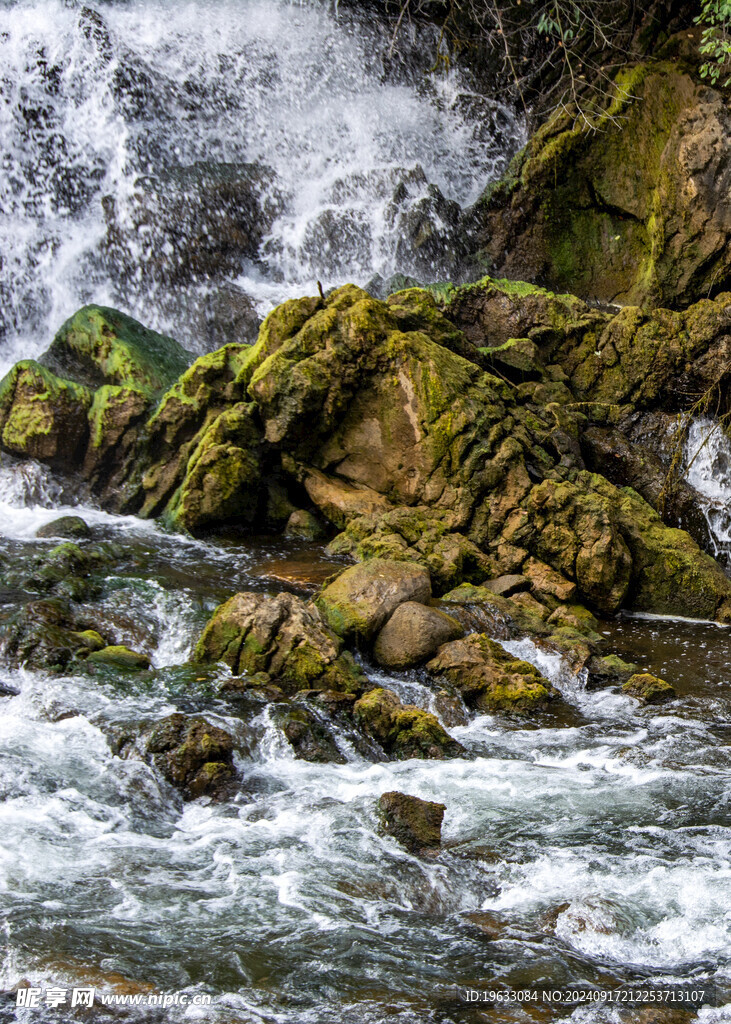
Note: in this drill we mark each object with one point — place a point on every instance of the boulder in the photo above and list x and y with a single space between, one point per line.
42 416
415 823
192 754
304 525
65 527
308 736
47 635
362 598
402 730
489 679
99 345
634 212
648 689
119 656
413 634
282 637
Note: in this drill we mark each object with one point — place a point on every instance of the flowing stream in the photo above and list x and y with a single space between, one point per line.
592 847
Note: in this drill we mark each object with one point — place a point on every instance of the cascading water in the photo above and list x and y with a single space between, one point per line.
591 846
708 470
179 159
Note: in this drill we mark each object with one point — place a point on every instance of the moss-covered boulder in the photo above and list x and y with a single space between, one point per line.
98 345
119 656
648 689
415 823
361 599
413 634
308 735
42 416
67 527
281 637
192 754
489 679
403 731
632 213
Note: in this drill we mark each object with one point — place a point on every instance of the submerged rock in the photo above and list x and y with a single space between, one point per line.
490 679
282 637
404 731
415 823
413 634
360 600
47 635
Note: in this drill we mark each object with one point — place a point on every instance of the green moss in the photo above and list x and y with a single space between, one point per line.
98 345
42 416
119 656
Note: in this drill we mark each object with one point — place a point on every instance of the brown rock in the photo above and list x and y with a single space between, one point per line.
415 823
363 597
412 634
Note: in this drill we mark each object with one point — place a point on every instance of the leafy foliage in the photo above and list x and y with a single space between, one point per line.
715 17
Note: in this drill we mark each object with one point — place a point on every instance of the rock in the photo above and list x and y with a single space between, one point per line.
415 823
115 416
98 346
281 636
304 525
402 730
419 535
208 218
633 212
192 754
71 527
574 616
547 584
363 597
45 635
648 689
427 227
506 586
43 417
489 679
119 656
517 360
412 635
609 670
340 502
309 737
91 640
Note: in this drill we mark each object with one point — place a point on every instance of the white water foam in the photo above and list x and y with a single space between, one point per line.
708 469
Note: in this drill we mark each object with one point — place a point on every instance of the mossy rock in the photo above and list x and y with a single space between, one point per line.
309 738
363 597
98 345
413 822
282 637
489 679
192 754
648 689
119 656
71 527
42 416
402 730
413 634
45 635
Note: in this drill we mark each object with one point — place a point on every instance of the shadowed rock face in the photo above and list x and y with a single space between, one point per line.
637 212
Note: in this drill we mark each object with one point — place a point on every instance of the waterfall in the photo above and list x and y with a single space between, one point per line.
707 460
197 162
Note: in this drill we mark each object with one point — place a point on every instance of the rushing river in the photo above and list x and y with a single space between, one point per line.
592 847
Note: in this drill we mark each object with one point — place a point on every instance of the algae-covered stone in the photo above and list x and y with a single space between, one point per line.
45 635
192 754
415 823
309 738
222 479
402 730
98 345
489 678
648 689
609 670
42 416
304 525
360 600
71 527
633 212
119 656
281 636
412 634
